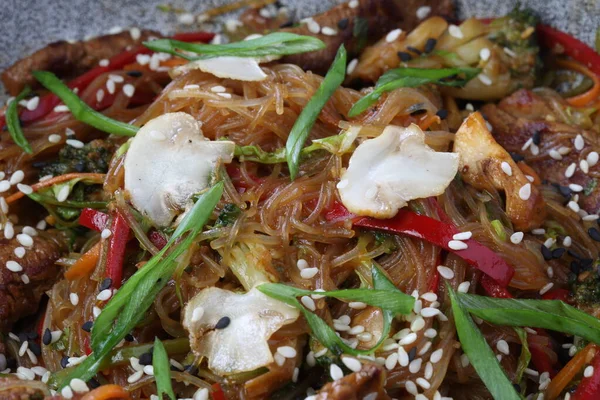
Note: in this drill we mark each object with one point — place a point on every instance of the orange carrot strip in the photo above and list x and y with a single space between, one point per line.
569 371
85 265
107 392
99 178
584 98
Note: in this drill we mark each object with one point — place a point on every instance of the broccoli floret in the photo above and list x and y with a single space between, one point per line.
92 157
515 33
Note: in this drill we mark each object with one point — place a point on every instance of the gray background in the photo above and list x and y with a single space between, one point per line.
26 25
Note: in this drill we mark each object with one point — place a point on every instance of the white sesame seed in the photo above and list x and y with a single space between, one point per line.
502 347
430 333
308 303
357 305
455 31
104 295
531 372
436 356
96 311
418 306
13 337
429 312
4 186
391 361
72 361
426 347
365 337
197 314
14 266
148 370
78 144
462 236
19 252
546 287
79 386
509 52
353 4
61 108
417 324
328 31
572 351
583 165
538 231
423 12
357 329
550 272
429 296
67 392
352 363
29 231
17 177
563 150
25 240
42 179
411 388
287 351
99 95
423 383
54 138
135 33
136 376
308 273
115 30
592 158
302 264
506 168
549 242
567 241
224 95
105 233
588 371
63 193
428 371
579 143
576 188
389 346
23 348
570 170
313 26
25 189
295 374
103 63
516 237
3 205
555 154
352 66
499 357
457 245
464 287
393 35
464 360
527 144
317 296
591 217
408 339
9 231
484 54
128 89
469 107
573 206
335 372
33 103
535 150
415 365
486 80
525 192
445 272
74 298
39 370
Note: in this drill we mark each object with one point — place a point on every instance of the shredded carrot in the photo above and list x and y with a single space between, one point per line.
569 371
587 97
97 178
428 120
173 62
85 265
107 392
527 170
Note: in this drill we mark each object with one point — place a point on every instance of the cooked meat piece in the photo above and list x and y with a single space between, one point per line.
356 27
523 116
356 386
13 388
18 299
481 161
67 59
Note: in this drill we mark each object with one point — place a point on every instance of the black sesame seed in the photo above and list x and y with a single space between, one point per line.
517 157
414 50
87 326
594 234
558 253
106 284
79 166
430 45
135 74
586 263
565 191
575 267
35 348
412 353
47 337
517 387
93 384
223 323
536 138
573 254
32 335
546 253
404 56
442 113
146 359
64 361
129 337
343 23
22 337
287 24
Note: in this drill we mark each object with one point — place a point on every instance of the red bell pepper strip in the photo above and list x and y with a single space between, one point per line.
93 219
116 249
589 388
440 234
194 37
217 392
574 48
157 239
557 294
493 289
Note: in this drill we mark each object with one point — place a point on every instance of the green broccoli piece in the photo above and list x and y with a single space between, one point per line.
92 157
515 33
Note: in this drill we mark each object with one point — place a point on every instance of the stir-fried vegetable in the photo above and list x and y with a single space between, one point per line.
162 371
13 123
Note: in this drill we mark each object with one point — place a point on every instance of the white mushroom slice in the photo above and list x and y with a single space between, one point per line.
238 68
386 172
168 161
242 345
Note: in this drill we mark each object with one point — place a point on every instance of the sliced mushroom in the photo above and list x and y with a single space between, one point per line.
386 172
232 329
168 161
485 165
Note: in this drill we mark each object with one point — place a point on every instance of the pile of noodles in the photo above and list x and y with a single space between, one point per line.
288 218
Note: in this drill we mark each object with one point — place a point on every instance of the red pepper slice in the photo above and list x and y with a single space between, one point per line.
581 52
494 289
194 36
557 294
589 388
439 233
217 392
116 249
157 239
93 219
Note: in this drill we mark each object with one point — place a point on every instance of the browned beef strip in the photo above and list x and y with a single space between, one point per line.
520 116
18 299
66 59
381 16
355 386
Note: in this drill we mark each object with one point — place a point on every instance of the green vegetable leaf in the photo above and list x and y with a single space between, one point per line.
548 314
525 356
413 77
384 295
273 44
499 229
129 305
590 186
14 125
80 110
479 352
303 125
229 214
162 371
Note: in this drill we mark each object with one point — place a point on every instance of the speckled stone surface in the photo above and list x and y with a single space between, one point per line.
26 25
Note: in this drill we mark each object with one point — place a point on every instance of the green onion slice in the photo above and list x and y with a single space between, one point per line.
14 125
162 371
303 125
82 111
